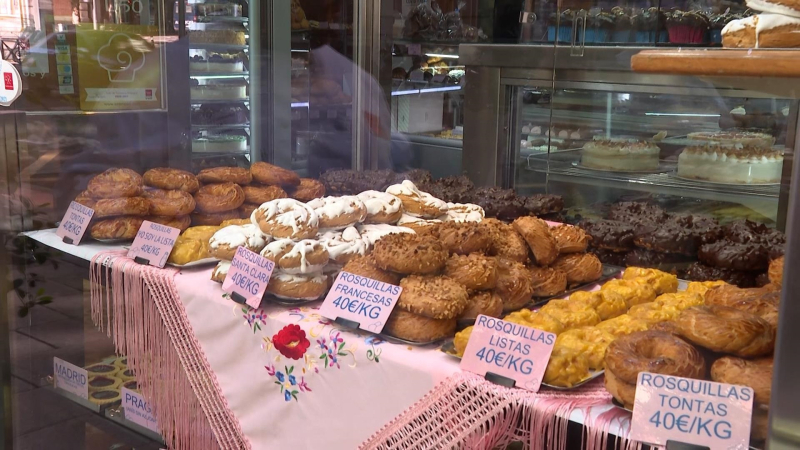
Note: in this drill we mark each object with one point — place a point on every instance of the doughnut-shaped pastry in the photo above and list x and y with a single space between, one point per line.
366 267
514 284
409 253
727 330
298 287
372 233
213 219
303 257
344 245
223 243
235 222
307 190
220 197
86 200
506 242
236 175
463 212
170 203
123 227
538 320
624 393
570 239
775 270
537 234
179 222
759 301
566 367
475 271
547 281
419 225
753 373
464 238
171 179
220 271
432 296
650 351
381 207
416 328
123 206
262 194
266 173
115 183
590 341
483 302
417 203
662 282
286 218
580 267
338 212
246 210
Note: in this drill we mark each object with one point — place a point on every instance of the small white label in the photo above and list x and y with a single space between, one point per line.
71 378
137 410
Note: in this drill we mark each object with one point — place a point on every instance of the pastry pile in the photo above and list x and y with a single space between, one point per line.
106 380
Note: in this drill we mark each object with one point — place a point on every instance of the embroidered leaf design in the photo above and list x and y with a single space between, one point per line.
289 370
341 346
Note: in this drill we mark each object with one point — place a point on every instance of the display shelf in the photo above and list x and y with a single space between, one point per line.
215 127
218 47
219 101
245 151
212 19
400 91
219 75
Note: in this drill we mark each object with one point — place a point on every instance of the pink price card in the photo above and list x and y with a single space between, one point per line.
510 350
153 244
248 277
699 412
75 222
360 300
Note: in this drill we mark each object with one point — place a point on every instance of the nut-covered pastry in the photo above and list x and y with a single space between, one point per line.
306 256
730 255
702 272
548 281
570 239
261 194
636 213
514 284
409 253
307 190
236 175
124 206
169 203
338 212
414 327
123 227
298 287
381 207
171 179
428 227
224 242
366 267
537 234
266 173
609 234
115 183
416 202
372 233
753 373
464 237
483 302
286 218
506 242
727 330
580 267
344 245
179 222
216 198
433 296
213 219
474 271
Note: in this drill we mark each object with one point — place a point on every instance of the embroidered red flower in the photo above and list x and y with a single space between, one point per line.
291 341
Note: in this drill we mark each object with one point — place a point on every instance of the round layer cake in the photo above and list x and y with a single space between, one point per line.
220 143
748 165
620 156
734 138
216 62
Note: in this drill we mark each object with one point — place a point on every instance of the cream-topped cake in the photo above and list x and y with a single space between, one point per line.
784 7
746 165
762 31
621 156
734 138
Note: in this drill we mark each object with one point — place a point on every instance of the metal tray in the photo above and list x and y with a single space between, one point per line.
397 340
198 263
662 168
290 302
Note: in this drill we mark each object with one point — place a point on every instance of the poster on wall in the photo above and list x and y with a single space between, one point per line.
119 69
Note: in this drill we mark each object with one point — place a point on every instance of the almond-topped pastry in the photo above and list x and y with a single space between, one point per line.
416 202
432 296
742 165
409 253
474 271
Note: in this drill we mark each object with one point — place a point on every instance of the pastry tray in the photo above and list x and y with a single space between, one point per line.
397 340
449 349
608 273
198 263
722 183
290 302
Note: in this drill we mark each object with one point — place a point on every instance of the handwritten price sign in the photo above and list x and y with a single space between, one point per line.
74 223
248 277
153 243
361 300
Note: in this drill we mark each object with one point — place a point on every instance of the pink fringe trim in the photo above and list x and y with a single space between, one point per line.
467 412
139 307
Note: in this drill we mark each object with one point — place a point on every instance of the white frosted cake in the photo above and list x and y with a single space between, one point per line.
218 92
745 165
620 156
734 138
220 143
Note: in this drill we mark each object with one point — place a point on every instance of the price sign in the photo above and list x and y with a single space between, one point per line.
417 75
248 277
71 378
508 353
137 410
153 244
699 412
74 223
361 301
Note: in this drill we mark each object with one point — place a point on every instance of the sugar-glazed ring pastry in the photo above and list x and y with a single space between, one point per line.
307 190
754 373
169 203
463 212
474 271
266 173
236 175
514 284
261 194
416 202
286 218
115 183
216 198
432 296
366 267
171 179
122 227
506 242
416 328
214 219
223 243
483 302
303 257
372 233
537 234
464 237
381 207
418 224
579 267
570 239
338 212
344 245
179 222
298 287
727 330
123 206
220 271
409 253
86 200
548 281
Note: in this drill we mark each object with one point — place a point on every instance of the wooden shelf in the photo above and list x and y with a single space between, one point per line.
719 62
